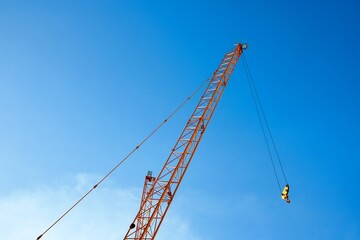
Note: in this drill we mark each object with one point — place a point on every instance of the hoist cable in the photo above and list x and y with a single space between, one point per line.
261 122
265 119
125 158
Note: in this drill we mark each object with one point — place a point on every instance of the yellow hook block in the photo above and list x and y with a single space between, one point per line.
285 193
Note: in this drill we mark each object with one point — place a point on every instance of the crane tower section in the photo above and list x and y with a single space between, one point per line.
159 192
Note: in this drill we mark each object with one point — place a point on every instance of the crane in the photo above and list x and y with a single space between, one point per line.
159 192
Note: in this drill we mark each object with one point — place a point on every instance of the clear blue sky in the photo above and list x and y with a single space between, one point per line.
82 82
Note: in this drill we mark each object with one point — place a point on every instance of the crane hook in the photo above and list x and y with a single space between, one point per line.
285 193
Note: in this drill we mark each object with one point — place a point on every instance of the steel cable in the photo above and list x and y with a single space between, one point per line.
124 159
264 124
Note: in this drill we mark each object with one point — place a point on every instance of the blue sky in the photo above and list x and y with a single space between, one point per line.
83 82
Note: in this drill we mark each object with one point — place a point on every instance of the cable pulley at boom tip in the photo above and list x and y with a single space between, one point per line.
243 45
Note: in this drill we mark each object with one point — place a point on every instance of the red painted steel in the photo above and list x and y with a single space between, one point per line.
159 192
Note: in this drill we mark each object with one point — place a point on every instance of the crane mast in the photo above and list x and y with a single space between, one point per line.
159 192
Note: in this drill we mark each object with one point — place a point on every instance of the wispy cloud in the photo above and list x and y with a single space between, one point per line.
105 214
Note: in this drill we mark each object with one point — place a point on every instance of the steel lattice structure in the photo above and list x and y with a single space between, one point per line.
159 192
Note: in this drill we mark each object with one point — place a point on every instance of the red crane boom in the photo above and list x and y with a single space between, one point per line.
159 192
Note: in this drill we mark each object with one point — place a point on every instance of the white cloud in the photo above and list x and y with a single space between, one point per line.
104 214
